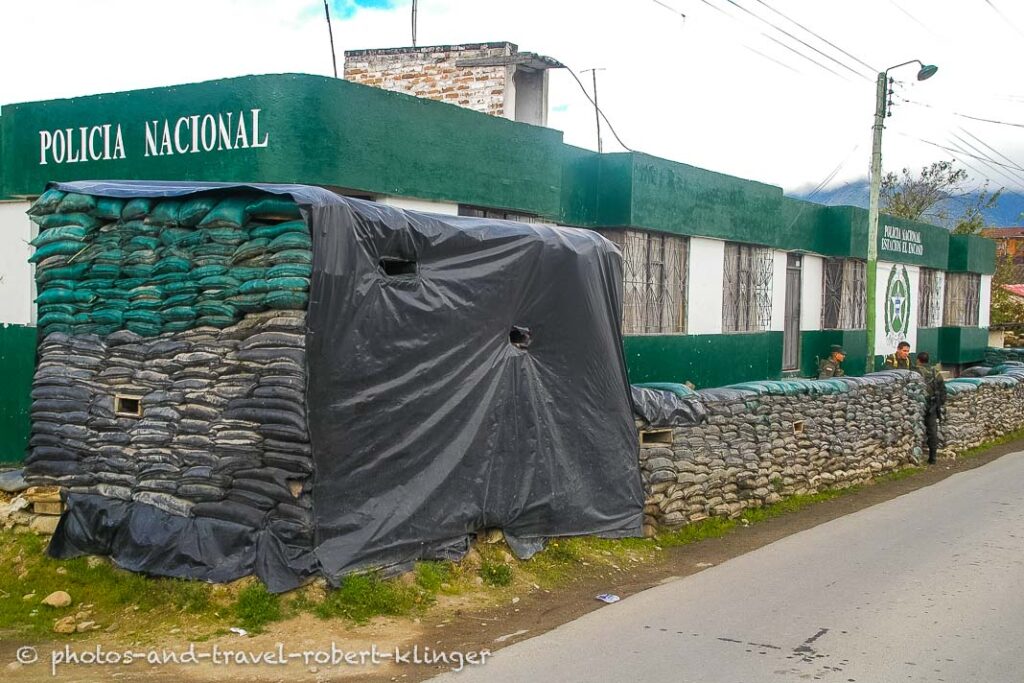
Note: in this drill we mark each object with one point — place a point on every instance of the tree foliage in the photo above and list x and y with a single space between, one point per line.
928 194
1006 308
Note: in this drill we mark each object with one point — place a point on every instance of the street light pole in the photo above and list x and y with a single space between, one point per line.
881 97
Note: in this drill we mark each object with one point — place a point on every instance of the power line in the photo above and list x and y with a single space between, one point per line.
772 59
965 116
820 186
952 151
1004 18
822 39
989 161
669 8
802 42
914 19
994 150
598 109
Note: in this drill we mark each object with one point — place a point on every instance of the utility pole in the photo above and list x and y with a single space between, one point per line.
881 95
414 23
597 111
330 32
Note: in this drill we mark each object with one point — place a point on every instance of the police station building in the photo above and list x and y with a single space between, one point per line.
725 279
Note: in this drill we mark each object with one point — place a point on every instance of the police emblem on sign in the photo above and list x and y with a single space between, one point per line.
897 305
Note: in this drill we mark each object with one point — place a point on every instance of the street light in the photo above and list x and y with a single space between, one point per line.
881 95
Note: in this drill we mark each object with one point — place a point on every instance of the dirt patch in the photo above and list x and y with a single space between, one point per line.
463 624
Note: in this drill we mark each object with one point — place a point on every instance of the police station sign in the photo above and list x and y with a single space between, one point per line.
904 241
190 134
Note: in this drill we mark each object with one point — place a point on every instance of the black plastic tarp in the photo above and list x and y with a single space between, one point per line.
664 408
462 374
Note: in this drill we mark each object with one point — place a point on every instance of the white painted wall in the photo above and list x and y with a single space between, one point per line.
704 286
985 302
446 208
778 291
17 277
811 286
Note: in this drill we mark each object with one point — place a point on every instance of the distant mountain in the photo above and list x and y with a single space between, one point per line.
1006 213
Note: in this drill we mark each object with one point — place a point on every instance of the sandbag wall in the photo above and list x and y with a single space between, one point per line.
171 366
995 356
979 409
762 441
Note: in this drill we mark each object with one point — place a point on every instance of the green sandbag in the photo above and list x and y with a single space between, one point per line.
69 309
146 292
274 231
129 283
95 284
107 256
61 248
228 213
218 282
172 264
247 303
184 287
272 207
104 270
136 209
290 270
178 325
291 240
146 305
101 330
292 256
138 227
218 321
261 260
173 236
72 271
243 273
178 313
165 213
108 316
76 203
47 203
256 286
59 295
192 239
52 329
214 308
144 271
55 318
112 295
199 273
172 277
249 249
286 299
64 232
56 220
228 236
82 318
194 210
181 300
108 208
212 249
143 243
144 316
62 284
143 329
298 284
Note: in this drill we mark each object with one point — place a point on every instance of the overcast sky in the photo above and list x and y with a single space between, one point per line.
719 89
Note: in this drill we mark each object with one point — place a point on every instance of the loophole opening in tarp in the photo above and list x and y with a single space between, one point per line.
397 267
520 337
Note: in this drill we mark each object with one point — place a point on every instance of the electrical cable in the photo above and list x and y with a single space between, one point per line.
1015 177
965 116
819 37
669 8
1004 18
605 118
994 150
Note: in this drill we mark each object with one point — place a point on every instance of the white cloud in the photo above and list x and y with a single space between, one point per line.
692 90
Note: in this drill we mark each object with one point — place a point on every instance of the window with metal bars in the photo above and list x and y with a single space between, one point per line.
963 296
929 297
844 294
654 267
747 288
480 212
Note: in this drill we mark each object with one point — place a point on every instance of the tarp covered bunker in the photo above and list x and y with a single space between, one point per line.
278 380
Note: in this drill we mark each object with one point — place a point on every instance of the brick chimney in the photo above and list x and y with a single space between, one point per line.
492 78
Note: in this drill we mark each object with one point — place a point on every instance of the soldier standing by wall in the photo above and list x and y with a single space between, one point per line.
899 360
935 391
833 365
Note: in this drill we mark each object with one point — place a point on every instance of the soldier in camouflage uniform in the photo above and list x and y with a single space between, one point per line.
833 365
899 360
935 391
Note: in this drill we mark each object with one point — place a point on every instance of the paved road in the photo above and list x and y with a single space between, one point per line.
926 587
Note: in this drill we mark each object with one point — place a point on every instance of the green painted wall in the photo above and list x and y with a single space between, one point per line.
971 253
17 365
962 344
929 339
706 360
321 131
816 344
934 243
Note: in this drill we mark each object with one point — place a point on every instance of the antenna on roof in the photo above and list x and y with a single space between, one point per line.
330 32
414 23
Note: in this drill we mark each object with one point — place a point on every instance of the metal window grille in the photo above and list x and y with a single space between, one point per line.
963 295
479 212
929 312
844 294
654 268
747 288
